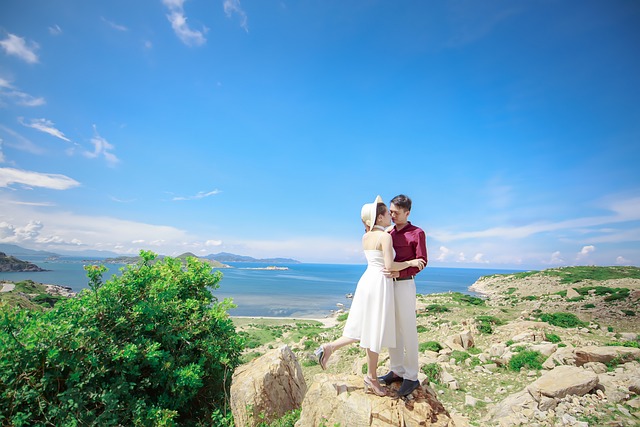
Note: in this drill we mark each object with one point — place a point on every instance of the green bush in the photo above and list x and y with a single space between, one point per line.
486 323
467 299
563 320
527 359
553 338
430 345
432 371
342 317
150 347
589 305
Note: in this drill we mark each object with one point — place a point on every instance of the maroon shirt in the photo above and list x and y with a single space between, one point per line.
409 243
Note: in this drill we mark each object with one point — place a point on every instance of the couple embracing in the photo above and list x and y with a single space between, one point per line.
383 311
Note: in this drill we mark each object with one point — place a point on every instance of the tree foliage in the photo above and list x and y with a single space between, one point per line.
150 347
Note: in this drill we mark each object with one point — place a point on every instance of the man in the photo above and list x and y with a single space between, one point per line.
409 242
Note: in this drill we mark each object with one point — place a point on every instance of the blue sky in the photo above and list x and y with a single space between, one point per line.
261 127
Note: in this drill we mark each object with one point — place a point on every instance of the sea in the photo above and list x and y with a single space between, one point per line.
303 290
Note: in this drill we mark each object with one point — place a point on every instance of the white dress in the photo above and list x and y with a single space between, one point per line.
372 317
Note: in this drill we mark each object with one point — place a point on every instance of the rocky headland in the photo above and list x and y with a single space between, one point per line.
552 348
10 263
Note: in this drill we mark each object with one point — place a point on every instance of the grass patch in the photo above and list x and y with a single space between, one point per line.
562 320
587 306
578 274
430 345
527 359
342 317
486 323
553 338
466 299
634 344
434 309
460 356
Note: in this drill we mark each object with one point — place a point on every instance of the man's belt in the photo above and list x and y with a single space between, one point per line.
397 279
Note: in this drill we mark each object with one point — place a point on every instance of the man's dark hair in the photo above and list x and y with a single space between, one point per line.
402 201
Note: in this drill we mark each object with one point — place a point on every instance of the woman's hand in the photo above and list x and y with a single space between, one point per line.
418 263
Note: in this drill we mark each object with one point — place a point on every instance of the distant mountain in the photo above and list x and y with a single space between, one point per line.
17 251
227 257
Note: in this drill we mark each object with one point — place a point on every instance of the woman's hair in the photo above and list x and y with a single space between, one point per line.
381 209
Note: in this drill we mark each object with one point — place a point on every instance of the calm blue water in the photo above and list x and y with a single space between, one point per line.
305 290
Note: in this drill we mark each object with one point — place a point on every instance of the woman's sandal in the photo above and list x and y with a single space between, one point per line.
375 387
323 353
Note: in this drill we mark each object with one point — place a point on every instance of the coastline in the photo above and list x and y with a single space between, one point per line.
327 322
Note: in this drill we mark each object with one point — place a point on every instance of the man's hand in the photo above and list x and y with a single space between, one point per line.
390 274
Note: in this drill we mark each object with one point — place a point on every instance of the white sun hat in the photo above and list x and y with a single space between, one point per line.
368 212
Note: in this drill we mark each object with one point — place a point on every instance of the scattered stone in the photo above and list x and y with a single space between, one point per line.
563 381
572 293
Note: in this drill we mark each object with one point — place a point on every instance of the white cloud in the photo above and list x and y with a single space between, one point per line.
10 92
14 45
55 30
115 26
586 250
462 257
213 243
620 260
179 24
444 253
233 6
46 126
102 147
479 258
556 258
36 179
2 159
200 195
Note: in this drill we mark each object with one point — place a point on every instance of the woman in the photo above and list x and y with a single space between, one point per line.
372 315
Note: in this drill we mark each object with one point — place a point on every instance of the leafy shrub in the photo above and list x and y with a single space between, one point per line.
527 359
151 347
467 299
629 312
342 317
421 329
436 308
287 420
486 323
589 306
531 298
553 338
563 320
430 345
432 371
634 344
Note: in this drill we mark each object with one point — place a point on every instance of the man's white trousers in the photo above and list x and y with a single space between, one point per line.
403 358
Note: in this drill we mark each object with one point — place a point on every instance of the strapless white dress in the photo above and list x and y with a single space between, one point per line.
372 317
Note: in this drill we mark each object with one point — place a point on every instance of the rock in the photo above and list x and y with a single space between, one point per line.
530 336
563 356
505 412
464 339
497 350
628 336
596 367
572 293
267 387
341 400
605 354
470 400
449 380
634 386
545 349
563 381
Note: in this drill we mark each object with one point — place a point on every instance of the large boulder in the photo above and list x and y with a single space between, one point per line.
563 381
605 354
341 400
266 388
